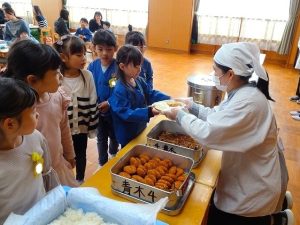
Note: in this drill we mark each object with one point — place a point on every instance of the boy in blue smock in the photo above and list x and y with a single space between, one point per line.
83 31
104 73
137 39
132 98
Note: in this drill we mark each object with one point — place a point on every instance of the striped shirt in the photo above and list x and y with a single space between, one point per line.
42 22
82 110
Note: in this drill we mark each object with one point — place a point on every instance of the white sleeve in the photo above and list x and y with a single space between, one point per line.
201 111
238 128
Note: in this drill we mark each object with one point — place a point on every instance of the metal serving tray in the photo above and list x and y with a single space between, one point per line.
173 127
169 211
136 190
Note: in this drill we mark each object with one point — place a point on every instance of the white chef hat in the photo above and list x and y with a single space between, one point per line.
242 58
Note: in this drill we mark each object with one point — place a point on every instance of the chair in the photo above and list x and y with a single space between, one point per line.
46 32
56 36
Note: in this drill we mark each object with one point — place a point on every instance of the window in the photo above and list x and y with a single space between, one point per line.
240 20
119 13
23 8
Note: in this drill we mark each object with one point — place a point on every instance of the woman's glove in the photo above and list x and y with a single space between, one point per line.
172 113
187 101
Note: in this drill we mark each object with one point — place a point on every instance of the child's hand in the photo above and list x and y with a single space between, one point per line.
154 111
103 107
72 163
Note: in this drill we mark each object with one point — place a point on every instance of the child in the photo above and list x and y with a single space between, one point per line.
61 25
137 39
38 15
84 32
82 110
106 25
40 71
132 97
104 73
20 186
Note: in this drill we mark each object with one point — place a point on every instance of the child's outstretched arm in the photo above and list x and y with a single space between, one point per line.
152 95
120 104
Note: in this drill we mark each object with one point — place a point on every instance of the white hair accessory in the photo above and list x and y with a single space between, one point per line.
242 58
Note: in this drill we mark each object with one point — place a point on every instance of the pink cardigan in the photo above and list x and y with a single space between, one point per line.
53 124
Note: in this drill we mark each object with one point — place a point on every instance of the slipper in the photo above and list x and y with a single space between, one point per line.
294 98
296 117
295 113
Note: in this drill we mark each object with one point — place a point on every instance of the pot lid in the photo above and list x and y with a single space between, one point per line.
201 81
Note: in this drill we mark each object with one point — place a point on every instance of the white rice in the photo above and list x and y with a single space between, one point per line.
78 217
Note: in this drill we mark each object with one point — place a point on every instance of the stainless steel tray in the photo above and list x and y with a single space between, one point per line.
175 210
173 127
146 193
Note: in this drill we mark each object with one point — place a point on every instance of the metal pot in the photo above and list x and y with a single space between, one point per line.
203 90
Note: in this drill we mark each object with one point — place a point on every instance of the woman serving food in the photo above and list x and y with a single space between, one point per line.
253 178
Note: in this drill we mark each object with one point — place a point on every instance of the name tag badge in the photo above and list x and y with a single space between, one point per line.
38 163
112 82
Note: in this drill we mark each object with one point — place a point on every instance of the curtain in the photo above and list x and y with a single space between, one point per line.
218 30
287 36
218 23
120 13
195 23
23 8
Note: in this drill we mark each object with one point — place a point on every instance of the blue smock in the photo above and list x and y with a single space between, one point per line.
147 72
129 108
101 79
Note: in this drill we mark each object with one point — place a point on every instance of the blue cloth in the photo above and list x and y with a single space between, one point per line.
102 79
85 32
159 222
66 189
147 72
129 108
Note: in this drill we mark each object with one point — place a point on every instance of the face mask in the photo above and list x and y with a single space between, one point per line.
218 83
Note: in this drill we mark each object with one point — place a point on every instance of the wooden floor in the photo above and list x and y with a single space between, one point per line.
170 74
